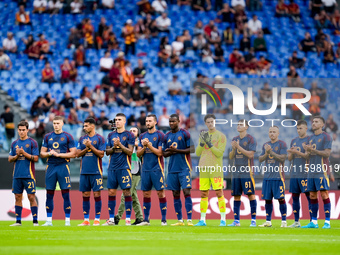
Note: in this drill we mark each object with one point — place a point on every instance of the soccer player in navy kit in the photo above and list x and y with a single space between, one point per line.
319 150
243 150
91 148
150 149
177 145
119 147
298 174
274 154
24 152
58 147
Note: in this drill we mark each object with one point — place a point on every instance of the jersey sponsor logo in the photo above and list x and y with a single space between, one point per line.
27 145
155 138
62 139
55 145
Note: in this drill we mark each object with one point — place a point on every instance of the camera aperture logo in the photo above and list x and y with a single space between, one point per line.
204 97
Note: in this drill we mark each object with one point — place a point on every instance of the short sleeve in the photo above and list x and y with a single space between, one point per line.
160 140
71 142
327 144
101 145
80 145
12 151
263 150
140 141
165 143
252 144
187 138
131 140
45 142
35 148
283 149
108 141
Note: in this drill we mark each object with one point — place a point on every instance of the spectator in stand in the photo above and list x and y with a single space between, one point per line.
315 6
98 97
44 45
34 52
255 25
190 122
245 42
207 56
48 74
153 29
307 44
159 6
329 55
7 118
263 65
33 126
186 38
28 42
112 43
321 92
108 4
228 36
88 32
295 61
294 11
219 53
103 121
148 20
39 6
139 73
266 93
281 9
76 7
130 37
72 118
74 38
23 17
49 102
114 74
60 111
148 97
163 120
201 5
238 4
48 123
233 57
101 27
141 122
124 97
226 14
240 25
314 104
54 6
198 29
331 125
208 28
110 97
141 31
336 21
260 43
329 6
199 42
106 62
214 36
240 66
80 57
136 98
175 86
145 7
182 118
293 78
322 44
322 19
164 56
127 74
66 70
178 46
9 44
68 101
163 23
84 103
250 55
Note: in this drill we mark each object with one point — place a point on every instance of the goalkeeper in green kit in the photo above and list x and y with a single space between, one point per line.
135 171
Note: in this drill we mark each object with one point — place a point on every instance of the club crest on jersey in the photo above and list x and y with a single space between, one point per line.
27 145
155 138
124 138
245 143
62 139
94 142
179 138
319 140
276 148
55 145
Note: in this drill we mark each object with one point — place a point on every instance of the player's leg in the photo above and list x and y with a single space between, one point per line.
267 195
125 181
279 194
121 209
178 207
326 207
34 208
314 203
18 209
112 185
157 179
203 205
50 183
309 205
146 188
221 206
253 206
236 191
63 175
85 188
97 186
188 205
294 188
135 201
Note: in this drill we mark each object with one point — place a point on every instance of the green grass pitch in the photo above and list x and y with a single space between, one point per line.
156 239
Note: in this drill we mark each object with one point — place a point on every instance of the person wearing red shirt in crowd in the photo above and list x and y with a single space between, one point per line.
65 71
233 57
60 111
44 45
80 57
263 65
34 52
115 74
241 66
48 74
281 9
294 11
208 28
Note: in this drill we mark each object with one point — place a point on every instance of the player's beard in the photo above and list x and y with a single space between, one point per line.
150 127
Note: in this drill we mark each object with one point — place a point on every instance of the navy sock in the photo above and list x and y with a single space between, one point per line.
283 209
18 210
178 207
296 206
34 210
237 205
67 202
112 206
128 206
163 206
309 205
315 208
269 210
98 206
49 202
327 209
146 207
86 207
188 206
253 206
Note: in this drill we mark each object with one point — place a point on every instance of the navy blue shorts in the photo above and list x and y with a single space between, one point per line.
155 178
19 184
298 185
90 181
247 185
57 173
317 184
273 188
122 178
177 180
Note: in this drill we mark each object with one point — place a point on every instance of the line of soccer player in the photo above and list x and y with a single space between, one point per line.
126 147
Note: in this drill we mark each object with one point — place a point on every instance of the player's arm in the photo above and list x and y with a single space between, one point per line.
30 157
71 154
157 152
110 150
248 154
324 153
98 153
44 153
128 150
219 150
232 154
278 157
199 150
290 156
12 159
263 155
140 151
188 150
81 153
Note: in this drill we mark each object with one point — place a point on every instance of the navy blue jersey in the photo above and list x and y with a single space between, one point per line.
119 160
60 143
151 162
298 162
181 140
24 168
248 143
318 165
90 163
274 169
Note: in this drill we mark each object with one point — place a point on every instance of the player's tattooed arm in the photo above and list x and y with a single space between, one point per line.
110 150
324 153
34 158
140 151
174 150
128 150
267 149
278 157
157 152
13 158
71 154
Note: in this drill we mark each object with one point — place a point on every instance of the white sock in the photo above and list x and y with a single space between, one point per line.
181 220
67 219
87 219
223 216
315 221
127 219
327 221
96 218
49 219
269 222
284 221
203 216
112 219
